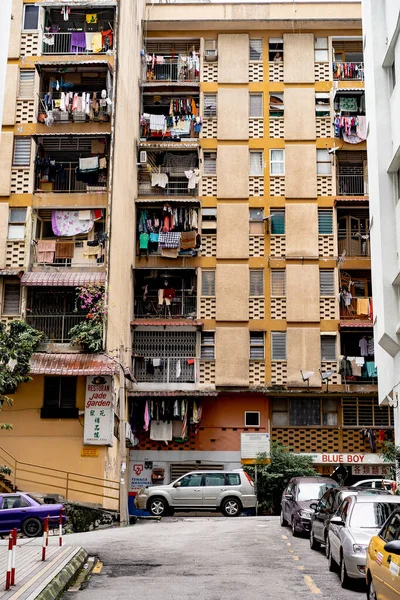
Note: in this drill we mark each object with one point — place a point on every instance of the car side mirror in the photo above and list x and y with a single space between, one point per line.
314 505
337 521
289 496
392 547
177 484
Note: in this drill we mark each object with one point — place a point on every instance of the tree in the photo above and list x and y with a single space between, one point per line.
273 477
18 341
391 454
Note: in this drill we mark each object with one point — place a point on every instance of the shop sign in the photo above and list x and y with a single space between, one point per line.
379 470
346 458
99 411
253 444
89 452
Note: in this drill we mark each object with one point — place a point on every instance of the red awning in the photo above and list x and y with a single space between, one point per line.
167 323
72 364
355 323
62 279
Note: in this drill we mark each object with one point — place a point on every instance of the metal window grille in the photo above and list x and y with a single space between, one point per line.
328 347
278 282
159 344
277 221
366 412
327 282
278 345
277 162
22 151
255 49
324 166
210 163
257 283
256 105
208 283
257 345
325 221
210 106
256 163
207 349
26 83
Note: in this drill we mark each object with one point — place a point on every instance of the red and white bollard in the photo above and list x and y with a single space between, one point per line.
60 539
45 537
14 534
9 561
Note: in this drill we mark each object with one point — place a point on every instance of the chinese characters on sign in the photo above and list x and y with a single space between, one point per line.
379 470
99 411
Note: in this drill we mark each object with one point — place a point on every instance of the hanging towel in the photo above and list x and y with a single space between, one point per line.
176 429
169 252
46 250
146 416
103 163
97 42
67 223
184 424
157 362
91 18
65 249
161 431
363 306
159 179
89 251
161 296
188 240
88 38
97 214
78 41
89 164
178 368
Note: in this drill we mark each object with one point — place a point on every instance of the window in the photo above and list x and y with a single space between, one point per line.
22 151
327 282
366 412
31 18
304 412
207 350
16 224
210 163
59 400
26 84
214 479
256 108
11 298
278 345
208 220
257 345
256 220
252 418
256 162
325 221
15 501
278 283
280 413
210 106
275 49
322 104
255 49
257 283
329 412
232 479
192 480
328 347
277 162
391 531
208 283
321 49
210 49
276 106
277 221
323 162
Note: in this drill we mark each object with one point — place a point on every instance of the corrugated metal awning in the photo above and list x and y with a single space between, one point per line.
168 145
11 272
186 394
167 323
92 63
62 279
346 199
356 324
167 200
72 364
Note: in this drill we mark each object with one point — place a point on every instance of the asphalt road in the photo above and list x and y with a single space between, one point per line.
216 558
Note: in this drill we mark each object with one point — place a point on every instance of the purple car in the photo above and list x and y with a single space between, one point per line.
27 514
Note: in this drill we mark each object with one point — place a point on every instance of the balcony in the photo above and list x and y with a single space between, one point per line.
170 117
169 173
166 370
348 71
168 68
355 295
351 173
353 232
151 301
357 346
55 327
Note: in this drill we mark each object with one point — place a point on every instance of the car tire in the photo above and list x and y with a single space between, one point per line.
332 564
282 520
231 507
327 547
32 527
345 580
371 593
314 545
158 506
295 533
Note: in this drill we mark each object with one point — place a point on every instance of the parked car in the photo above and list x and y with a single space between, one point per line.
326 508
227 491
379 484
351 528
297 497
383 561
27 514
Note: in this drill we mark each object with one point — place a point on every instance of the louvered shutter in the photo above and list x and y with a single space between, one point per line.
325 221
208 283
207 345
277 221
26 84
51 398
210 105
328 347
210 163
327 283
278 343
12 295
256 105
278 282
68 392
255 49
257 345
22 151
256 163
257 283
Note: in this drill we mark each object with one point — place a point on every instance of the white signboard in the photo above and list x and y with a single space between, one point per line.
253 444
99 411
345 458
379 470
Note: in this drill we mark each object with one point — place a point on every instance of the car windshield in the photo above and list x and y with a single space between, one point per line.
35 498
312 491
371 514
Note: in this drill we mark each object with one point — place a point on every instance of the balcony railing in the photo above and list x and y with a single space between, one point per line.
55 327
177 185
344 71
166 369
64 178
74 116
359 309
182 305
354 243
172 68
66 43
351 185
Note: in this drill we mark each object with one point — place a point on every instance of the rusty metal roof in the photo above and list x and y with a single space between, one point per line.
355 323
72 364
62 278
180 393
167 323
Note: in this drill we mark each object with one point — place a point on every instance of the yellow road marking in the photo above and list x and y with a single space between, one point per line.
98 567
310 583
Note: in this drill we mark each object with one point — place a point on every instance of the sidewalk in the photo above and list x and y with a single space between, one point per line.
37 579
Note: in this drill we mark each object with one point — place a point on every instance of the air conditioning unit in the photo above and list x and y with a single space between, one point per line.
129 440
143 157
211 55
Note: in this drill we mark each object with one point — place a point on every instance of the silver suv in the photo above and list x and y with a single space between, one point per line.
227 491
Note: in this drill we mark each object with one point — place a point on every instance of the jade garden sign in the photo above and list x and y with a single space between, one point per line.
99 411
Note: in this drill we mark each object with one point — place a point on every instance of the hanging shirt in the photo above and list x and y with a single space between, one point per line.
363 344
144 241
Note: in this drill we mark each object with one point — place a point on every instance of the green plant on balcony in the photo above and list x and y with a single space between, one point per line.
89 333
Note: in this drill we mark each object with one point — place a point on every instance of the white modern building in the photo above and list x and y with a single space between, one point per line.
381 25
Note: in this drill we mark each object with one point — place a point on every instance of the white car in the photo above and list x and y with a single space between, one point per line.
375 484
357 519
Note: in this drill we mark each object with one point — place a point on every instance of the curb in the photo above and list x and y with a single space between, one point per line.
64 578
